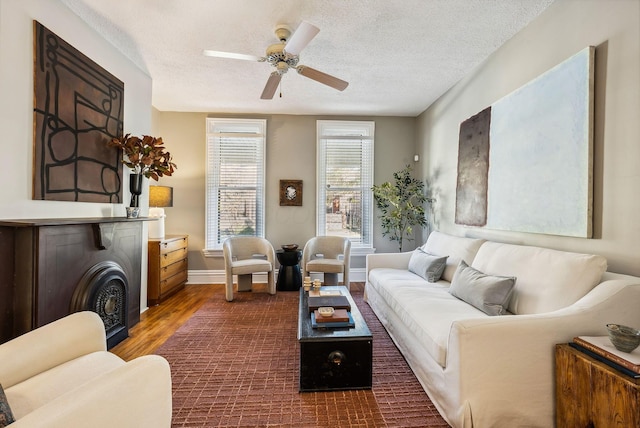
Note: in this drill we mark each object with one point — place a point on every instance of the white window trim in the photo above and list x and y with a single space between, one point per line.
357 249
215 250
212 253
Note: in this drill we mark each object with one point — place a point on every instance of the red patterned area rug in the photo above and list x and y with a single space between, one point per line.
237 364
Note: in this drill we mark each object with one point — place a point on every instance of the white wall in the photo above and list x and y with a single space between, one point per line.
568 26
16 102
16 106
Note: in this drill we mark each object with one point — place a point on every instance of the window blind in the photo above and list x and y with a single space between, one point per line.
235 179
345 177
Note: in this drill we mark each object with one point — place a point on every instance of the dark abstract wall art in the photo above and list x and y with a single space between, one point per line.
473 170
78 107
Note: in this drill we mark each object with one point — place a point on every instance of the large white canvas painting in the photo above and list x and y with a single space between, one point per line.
541 153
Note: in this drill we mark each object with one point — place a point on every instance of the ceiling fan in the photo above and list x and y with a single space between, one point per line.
285 55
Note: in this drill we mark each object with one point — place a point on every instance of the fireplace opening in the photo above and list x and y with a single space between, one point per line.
103 289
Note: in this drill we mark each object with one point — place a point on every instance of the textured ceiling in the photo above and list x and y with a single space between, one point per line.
398 56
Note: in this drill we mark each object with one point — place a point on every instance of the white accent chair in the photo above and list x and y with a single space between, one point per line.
244 256
330 255
61 375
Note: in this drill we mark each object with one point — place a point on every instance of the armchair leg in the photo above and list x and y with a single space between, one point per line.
271 283
244 282
228 290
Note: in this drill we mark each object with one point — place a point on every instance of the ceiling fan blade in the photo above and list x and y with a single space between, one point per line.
232 55
301 38
323 78
271 86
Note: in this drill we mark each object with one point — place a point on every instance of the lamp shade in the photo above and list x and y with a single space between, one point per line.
160 196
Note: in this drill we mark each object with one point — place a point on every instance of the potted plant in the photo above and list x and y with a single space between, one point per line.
401 205
146 157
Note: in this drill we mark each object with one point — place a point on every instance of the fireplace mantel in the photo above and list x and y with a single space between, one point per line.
42 261
67 221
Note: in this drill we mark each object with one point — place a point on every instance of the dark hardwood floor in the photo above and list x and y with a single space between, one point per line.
159 322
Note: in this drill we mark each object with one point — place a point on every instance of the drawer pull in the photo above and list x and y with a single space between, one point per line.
337 358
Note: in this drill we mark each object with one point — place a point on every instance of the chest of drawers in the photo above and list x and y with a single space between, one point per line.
167 269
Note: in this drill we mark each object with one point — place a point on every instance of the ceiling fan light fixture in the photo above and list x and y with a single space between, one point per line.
275 55
282 67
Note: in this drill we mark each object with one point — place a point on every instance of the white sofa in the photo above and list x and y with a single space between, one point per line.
61 375
496 371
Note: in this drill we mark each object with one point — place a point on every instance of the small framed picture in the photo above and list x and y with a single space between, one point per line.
290 193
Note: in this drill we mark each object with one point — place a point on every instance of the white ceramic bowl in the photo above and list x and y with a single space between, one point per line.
326 311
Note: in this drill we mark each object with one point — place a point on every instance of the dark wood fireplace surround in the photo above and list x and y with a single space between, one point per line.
43 261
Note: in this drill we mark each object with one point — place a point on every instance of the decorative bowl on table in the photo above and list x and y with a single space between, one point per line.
290 247
624 338
326 311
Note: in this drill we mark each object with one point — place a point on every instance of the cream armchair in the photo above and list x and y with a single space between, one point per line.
329 255
244 256
61 375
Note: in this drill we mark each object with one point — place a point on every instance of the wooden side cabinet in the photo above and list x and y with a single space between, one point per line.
167 267
589 393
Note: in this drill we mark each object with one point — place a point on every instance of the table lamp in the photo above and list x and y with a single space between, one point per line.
159 197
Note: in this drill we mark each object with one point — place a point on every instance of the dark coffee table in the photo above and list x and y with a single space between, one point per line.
334 358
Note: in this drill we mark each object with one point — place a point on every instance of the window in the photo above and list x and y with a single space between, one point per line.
235 179
345 177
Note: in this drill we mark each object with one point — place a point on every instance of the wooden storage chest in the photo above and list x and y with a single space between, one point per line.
334 358
589 393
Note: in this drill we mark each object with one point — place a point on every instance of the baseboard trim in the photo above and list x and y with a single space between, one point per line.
218 276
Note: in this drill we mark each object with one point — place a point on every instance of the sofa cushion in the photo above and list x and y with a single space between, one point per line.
38 390
457 248
547 279
427 265
426 309
380 276
325 265
488 293
247 266
6 416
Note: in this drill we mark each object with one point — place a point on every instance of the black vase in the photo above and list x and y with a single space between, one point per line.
135 187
